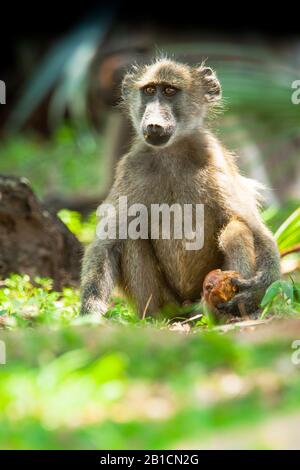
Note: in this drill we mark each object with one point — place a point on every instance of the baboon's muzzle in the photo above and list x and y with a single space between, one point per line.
156 135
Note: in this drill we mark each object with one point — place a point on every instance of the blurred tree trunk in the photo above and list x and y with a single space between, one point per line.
32 241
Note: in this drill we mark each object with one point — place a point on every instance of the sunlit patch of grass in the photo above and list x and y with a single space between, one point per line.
83 228
26 303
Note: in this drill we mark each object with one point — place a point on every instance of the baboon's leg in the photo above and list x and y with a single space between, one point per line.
237 243
142 278
100 272
255 256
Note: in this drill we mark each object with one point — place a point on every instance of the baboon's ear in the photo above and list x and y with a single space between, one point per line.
131 79
210 84
127 84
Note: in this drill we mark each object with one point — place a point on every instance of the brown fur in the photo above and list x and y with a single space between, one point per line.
192 169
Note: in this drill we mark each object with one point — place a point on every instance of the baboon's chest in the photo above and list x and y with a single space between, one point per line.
186 261
184 222
188 249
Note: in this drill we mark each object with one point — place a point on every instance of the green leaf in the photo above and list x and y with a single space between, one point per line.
288 290
297 293
271 293
288 233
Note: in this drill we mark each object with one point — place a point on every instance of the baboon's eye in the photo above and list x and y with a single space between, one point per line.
170 91
149 90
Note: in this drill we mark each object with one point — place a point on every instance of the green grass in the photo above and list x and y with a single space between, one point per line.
107 387
26 303
30 303
69 163
119 382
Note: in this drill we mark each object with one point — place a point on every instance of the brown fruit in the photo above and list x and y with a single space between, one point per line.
218 288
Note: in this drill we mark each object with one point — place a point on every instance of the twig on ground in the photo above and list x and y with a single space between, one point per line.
146 306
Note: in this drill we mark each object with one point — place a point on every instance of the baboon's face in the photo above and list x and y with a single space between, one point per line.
158 112
168 100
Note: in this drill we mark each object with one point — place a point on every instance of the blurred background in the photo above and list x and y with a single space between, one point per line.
66 384
61 126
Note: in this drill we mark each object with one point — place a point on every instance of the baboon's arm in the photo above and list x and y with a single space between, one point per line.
237 243
100 272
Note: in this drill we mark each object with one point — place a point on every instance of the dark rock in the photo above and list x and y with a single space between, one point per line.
33 241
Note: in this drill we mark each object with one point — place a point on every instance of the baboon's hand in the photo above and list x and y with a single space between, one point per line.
92 305
246 301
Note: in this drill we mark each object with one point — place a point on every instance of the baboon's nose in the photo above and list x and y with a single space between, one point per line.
156 134
155 129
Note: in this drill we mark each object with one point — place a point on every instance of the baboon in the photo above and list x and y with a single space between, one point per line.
175 158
